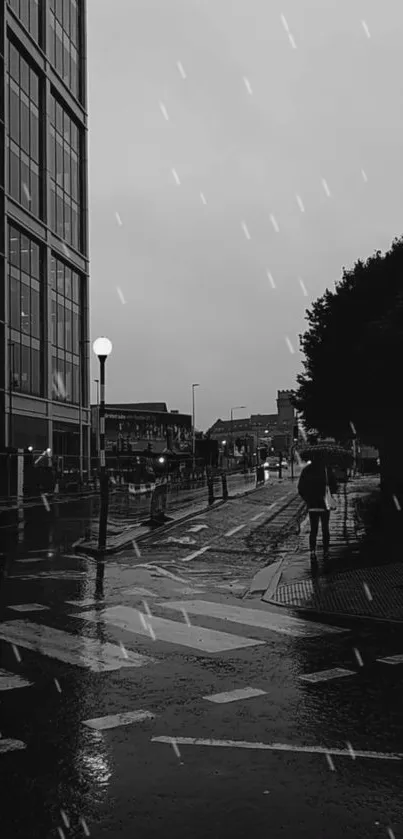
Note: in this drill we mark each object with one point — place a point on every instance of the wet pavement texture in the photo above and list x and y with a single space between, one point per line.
197 742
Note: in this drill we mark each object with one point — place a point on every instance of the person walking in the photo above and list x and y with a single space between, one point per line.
317 485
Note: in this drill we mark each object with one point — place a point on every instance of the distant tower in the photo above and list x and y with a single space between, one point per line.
285 410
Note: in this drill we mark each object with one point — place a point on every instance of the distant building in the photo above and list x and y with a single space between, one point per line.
262 428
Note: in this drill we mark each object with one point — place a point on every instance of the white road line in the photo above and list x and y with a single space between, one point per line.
9 681
259 516
197 527
276 747
114 720
272 505
196 553
84 652
392 659
235 530
29 607
172 632
327 675
11 745
141 591
255 617
89 601
234 695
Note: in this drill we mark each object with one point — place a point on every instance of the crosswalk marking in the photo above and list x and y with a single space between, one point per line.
9 681
392 659
197 527
97 656
29 607
255 617
144 592
173 632
275 747
196 553
11 745
114 720
234 695
327 675
234 530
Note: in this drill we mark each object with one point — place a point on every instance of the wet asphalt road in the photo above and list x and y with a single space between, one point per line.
71 779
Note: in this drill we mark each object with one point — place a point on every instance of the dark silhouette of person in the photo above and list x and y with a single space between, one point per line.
312 488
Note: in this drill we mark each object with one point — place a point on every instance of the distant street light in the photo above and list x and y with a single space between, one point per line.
193 424
236 408
102 348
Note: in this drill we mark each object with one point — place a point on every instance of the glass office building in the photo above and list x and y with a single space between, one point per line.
44 269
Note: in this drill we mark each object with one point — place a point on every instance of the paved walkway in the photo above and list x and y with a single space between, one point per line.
351 585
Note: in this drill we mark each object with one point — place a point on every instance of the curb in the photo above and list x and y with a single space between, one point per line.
315 613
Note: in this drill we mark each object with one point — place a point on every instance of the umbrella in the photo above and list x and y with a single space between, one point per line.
332 453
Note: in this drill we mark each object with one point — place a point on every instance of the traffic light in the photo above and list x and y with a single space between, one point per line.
295 433
263 453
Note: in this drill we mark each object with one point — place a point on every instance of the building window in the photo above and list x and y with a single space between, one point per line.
66 331
27 12
63 42
65 175
25 313
23 139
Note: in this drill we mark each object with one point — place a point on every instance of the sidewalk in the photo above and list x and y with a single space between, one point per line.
352 585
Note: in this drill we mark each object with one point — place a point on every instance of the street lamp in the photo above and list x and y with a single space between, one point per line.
193 425
102 348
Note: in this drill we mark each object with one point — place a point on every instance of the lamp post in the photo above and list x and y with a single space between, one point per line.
97 384
102 348
236 408
193 426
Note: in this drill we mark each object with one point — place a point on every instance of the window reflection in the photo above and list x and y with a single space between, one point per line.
64 167
23 103
65 316
25 313
63 45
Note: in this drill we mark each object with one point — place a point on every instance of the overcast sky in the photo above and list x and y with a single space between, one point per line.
276 97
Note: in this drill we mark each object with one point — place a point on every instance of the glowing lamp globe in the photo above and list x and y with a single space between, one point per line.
102 347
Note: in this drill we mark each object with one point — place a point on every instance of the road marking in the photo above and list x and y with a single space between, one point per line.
113 720
234 695
235 530
94 655
142 591
326 675
29 607
272 505
9 681
179 540
196 553
11 745
259 516
276 747
164 573
392 659
197 527
172 632
89 601
255 617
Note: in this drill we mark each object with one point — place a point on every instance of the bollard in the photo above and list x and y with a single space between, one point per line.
210 484
224 487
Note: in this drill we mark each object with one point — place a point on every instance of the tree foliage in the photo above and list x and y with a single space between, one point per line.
354 350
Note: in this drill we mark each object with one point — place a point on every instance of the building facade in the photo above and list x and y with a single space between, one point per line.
131 428
44 268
